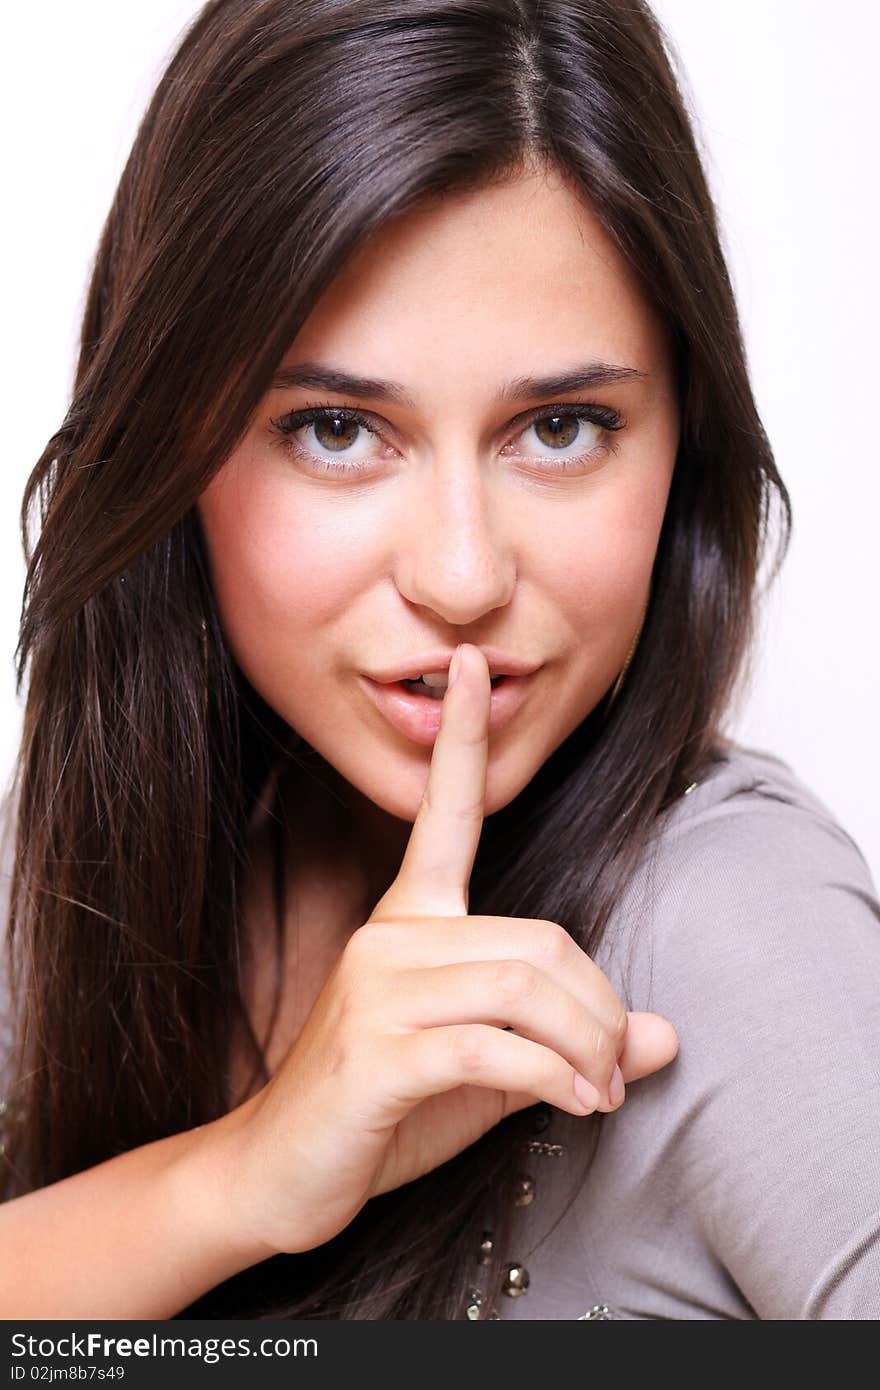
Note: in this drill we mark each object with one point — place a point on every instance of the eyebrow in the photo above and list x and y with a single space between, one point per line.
586 376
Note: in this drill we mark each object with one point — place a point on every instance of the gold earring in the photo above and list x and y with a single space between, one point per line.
629 656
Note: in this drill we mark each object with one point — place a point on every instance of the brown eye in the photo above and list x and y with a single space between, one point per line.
335 432
570 436
331 429
560 430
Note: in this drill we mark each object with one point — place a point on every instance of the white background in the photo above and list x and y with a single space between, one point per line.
785 100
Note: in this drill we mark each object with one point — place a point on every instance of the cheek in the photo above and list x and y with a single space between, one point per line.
599 563
282 562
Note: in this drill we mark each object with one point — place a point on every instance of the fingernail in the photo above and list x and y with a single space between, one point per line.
617 1090
586 1094
454 667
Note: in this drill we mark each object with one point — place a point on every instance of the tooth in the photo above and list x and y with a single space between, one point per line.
437 680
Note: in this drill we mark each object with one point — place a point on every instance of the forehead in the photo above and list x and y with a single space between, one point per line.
475 283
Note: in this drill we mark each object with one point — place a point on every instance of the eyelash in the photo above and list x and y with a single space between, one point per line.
287 425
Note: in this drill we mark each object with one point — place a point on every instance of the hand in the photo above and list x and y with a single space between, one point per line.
407 1057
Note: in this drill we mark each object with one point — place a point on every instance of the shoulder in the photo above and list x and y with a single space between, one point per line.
754 927
751 811
750 872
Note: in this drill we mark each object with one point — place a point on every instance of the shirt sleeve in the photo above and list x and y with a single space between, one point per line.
765 955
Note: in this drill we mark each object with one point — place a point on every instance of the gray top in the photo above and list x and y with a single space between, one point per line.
743 1180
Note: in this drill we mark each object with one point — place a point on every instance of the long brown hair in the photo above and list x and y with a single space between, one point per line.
279 138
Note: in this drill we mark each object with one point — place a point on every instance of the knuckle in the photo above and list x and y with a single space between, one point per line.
554 943
552 1074
601 1051
471 812
466 811
618 1026
515 980
468 1050
359 943
426 805
368 941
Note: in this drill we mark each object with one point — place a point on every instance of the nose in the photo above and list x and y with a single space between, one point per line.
453 556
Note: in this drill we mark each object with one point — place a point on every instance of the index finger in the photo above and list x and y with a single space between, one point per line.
434 876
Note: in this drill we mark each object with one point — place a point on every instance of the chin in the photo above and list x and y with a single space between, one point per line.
402 796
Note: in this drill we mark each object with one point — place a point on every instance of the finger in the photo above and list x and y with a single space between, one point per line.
440 1059
546 945
511 994
651 1043
434 876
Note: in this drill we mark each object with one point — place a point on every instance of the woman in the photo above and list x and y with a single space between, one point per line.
410 337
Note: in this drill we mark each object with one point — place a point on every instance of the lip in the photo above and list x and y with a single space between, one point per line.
418 716
500 664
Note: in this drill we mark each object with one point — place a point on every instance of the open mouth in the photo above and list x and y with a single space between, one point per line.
434 692
415 707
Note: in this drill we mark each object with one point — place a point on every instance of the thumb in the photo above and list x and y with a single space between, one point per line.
651 1043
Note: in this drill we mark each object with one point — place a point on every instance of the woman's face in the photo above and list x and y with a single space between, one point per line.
474 506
